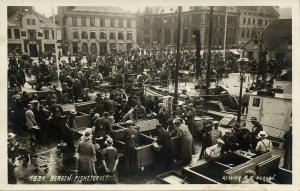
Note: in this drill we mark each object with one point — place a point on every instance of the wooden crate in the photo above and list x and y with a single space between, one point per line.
172 177
85 107
83 120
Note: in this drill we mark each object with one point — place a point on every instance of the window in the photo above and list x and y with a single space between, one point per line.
92 22
33 21
28 21
32 34
243 33
92 35
249 21
23 33
46 32
75 35
128 23
8 33
244 20
40 34
84 35
83 21
129 36
256 102
17 33
102 35
120 23
266 22
120 36
53 36
74 21
112 22
102 22
248 33
253 21
112 36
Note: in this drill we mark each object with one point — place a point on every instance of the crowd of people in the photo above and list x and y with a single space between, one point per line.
41 117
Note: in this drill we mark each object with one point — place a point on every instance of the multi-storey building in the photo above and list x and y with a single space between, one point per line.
157 26
31 33
253 20
96 30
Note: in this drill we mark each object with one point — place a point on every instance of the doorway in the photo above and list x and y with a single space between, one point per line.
33 51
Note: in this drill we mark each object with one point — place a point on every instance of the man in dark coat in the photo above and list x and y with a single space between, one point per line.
102 128
87 157
186 141
165 153
131 140
206 140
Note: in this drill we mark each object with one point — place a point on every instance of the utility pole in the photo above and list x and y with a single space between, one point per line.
209 49
177 57
225 32
198 56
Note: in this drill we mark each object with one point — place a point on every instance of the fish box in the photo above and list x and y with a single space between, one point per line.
118 132
175 141
206 173
82 120
172 177
85 107
144 152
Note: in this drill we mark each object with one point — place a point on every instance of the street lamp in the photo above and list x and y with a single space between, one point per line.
242 62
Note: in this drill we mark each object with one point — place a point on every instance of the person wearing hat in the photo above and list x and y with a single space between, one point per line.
256 128
263 145
288 146
191 113
214 151
165 153
87 156
206 139
186 141
71 120
231 142
131 136
181 111
30 122
163 116
216 133
110 160
103 127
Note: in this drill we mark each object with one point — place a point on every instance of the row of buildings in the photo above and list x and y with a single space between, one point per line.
98 30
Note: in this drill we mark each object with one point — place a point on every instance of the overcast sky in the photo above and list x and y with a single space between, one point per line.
42 9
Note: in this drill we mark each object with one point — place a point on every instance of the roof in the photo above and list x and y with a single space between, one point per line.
277 33
102 9
16 19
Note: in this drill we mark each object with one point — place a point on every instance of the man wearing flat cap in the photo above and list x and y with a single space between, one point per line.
255 130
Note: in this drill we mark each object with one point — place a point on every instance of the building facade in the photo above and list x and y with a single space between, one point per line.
157 26
253 20
96 30
31 33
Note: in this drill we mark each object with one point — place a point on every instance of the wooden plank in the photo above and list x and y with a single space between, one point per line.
236 175
268 168
197 178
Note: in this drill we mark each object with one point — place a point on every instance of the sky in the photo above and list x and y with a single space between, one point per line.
42 9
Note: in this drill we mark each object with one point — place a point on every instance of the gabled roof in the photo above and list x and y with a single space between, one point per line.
277 33
16 19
